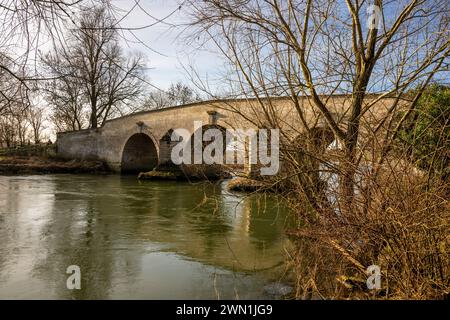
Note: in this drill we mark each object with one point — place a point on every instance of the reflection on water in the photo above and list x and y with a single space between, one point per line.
143 240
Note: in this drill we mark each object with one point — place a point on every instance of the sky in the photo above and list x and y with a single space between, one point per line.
157 33
164 43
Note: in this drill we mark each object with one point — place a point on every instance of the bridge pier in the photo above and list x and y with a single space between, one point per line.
250 169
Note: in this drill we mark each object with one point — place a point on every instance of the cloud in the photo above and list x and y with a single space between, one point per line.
160 41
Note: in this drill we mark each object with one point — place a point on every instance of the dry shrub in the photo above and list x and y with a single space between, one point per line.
399 221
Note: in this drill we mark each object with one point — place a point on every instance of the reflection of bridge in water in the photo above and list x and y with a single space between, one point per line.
141 141
235 232
120 231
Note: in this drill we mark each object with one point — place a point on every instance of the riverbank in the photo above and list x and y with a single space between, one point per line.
44 165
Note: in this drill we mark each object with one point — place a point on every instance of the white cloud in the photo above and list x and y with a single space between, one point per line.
165 49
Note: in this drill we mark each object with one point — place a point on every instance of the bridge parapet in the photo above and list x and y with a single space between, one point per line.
109 142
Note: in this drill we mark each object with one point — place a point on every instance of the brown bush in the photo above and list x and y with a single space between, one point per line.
400 222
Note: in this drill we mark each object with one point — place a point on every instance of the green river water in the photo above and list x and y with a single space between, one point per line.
136 240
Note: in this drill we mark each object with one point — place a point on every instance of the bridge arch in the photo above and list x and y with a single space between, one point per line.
203 170
139 154
321 137
201 131
304 145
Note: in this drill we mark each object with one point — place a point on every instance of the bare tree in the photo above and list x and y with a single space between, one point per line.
10 87
21 123
7 131
36 118
156 99
65 98
310 51
93 69
177 94
25 25
14 125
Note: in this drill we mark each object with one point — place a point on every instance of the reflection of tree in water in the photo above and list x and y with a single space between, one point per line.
266 223
206 216
202 218
82 235
200 214
107 224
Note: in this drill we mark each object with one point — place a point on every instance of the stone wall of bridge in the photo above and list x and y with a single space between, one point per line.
109 142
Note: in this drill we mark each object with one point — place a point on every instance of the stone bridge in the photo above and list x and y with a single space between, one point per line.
141 141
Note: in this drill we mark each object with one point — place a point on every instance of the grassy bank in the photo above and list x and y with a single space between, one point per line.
41 165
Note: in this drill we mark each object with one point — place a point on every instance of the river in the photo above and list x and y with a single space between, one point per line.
136 240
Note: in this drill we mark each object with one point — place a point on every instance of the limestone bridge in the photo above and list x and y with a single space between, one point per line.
141 141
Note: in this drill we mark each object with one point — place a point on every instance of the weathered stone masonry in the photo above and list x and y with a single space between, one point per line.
146 135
